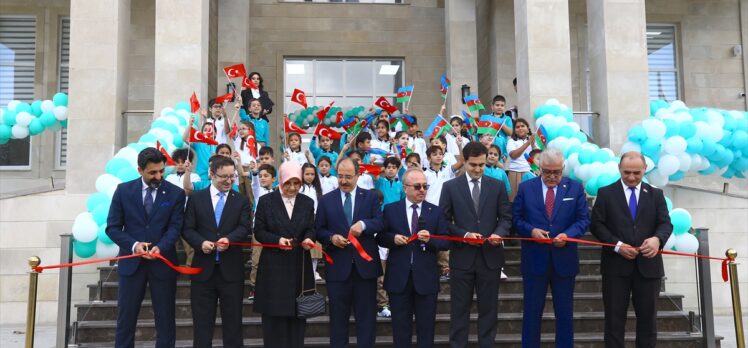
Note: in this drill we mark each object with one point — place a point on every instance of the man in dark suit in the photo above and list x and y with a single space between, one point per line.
351 280
216 216
476 206
412 277
550 207
146 217
629 213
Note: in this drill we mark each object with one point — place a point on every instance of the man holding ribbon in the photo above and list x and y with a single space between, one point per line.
633 216
215 217
550 208
145 218
348 219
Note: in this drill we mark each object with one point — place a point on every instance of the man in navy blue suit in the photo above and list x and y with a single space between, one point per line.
146 217
351 280
412 278
550 207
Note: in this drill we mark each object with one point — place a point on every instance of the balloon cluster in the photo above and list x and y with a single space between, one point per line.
89 228
597 167
699 140
18 120
305 118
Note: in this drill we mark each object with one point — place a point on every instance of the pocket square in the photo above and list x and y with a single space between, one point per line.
165 204
568 199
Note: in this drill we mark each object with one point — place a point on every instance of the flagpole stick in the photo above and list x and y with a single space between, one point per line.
411 97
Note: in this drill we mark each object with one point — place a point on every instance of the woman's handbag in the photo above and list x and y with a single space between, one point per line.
309 306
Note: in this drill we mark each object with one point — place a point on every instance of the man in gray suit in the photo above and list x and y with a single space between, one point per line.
476 206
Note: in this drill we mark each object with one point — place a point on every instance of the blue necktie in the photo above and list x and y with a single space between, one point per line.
348 208
148 201
218 212
632 203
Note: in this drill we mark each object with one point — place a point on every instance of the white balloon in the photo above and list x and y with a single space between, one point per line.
61 113
583 172
668 165
695 162
650 164
686 243
631 146
19 132
678 105
110 191
23 118
12 105
552 101
106 181
166 111
163 135
542 120
573 161
105 251
609 151
662 113
574 126
685 162
715 118
127 153
670 242
704 163
654 128
85 228
611 167
675 145
48 106
657 179
702 129
715 133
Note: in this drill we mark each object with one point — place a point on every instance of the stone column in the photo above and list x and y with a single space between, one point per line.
98 87
501 52
461 51
182 32
542 44
618 67
233 39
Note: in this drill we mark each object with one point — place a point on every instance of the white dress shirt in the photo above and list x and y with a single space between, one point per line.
329 183
627 193
143 193
545 190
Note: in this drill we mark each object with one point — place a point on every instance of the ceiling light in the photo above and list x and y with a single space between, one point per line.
389 69
295 69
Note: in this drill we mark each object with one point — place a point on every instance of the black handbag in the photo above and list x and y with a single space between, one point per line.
309 306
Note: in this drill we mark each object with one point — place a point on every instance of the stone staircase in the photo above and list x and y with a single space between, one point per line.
95 320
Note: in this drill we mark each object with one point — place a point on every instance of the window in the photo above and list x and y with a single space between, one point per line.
61 148
349 82
663 63
17 62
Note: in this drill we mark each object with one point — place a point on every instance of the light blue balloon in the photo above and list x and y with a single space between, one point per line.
572 149
711 169
178 142
182 106
100 213
60 99
740 140
651 148
601 156
708 147
677 176
740 164
718 154
686 129
694 145
48 119
607 179
147 138
137 147
699 114
727 158
36 126
637 134
669 203
5 131
36 108
681 221
655 105
23 107
102 236
726 140
568 114
96 199
64 123
116 164
9 118
591 186
84 250
671 128
586 156
127 174
729 173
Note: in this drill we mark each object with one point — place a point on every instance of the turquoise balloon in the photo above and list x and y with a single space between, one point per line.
36 127
23 107
9 118
718 154
96 200
699 114
64 123
669 203
708 147
586 156
116 164
653 107
591 187
677 176
681 221
740 164
601 156
36 108
127 174
48 119
60 99
581 136
178 142
137 147
102 236
694 145
740 140
711 169
607 179
566 131
167 126
182 106
686 129
5 131
637 134
4 141
726 138
100 213
84 250
729 173
148 138
671 128
567 114
572 149
651 148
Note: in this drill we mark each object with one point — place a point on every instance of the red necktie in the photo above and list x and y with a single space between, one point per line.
549 197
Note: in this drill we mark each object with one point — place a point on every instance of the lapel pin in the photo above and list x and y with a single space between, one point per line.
163 192
645 190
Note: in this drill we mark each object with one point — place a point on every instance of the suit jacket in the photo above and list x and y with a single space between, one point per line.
200 226
331 220
127 223
494 217
612 222
570 215
424 266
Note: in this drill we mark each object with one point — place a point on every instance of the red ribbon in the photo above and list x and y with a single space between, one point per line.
179 269
359 247
328 259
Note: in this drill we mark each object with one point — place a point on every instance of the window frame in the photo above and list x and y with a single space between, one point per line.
677 55
60 65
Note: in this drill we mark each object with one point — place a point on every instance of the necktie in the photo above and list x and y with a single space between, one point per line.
632 202
414 227
148 201
476 193
218 212
348 208
550 196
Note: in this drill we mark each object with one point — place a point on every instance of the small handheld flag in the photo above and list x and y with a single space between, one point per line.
323 112
291 127
437 127
224 98
533 165
200 137
169 160
299 97
369 169
541 138
252 143
380 152
404 94
194 103
473 103
247 83
235 71
444 86
384 104
325 131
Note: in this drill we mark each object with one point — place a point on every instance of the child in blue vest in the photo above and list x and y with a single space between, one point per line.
324 149
389 183
492 168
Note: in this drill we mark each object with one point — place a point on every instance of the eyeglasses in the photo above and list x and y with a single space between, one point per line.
346 177
551 172
217 106
226 177
419 187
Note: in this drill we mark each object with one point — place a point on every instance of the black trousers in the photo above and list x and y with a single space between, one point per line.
359 295
406 303
643 293
205 297
130 297
283 331
485 283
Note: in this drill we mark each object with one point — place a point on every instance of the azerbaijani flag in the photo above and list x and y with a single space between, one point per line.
405 121
541 138
444 86
437 127
348 123
533 166
473 103
404 94
380 152
489 125
402 151
356 128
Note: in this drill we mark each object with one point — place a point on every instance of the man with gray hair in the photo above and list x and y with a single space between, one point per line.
549 208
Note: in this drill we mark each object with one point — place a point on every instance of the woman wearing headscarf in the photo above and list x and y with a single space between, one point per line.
284 217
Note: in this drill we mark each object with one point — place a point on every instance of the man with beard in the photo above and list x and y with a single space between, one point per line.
146 218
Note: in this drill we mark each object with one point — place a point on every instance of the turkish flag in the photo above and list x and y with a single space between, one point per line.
235 71
325 131
199 137
299 97
194 103
323 112
369 169
234 131
291 127
224 98
251 144
338 117
169 160
384 104
247 83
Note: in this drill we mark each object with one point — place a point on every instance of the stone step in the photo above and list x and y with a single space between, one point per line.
508 303
513 285
581 340
508 323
